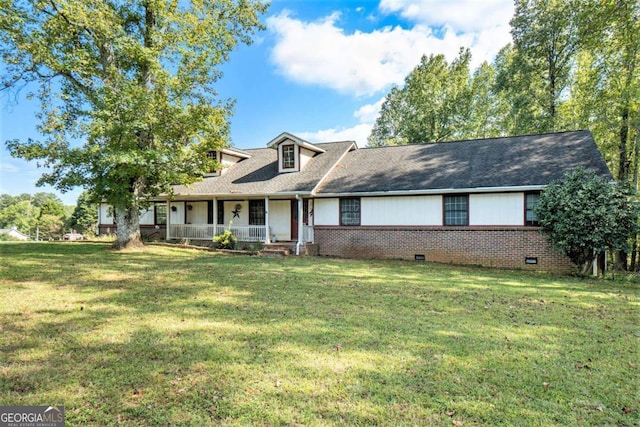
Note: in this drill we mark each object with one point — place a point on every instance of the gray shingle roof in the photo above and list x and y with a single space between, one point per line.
258 175
529 160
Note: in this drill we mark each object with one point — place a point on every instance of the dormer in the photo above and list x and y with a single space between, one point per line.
225 158
293 152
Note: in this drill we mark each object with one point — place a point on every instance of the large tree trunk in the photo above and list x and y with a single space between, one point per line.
624 169
128 228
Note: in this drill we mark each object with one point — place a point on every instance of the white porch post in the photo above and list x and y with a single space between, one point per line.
267 236
215 216
168 233
300 224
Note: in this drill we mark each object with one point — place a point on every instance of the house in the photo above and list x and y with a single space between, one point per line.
464 202
13 232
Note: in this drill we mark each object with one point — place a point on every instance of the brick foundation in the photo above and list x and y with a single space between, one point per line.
504 247
148 232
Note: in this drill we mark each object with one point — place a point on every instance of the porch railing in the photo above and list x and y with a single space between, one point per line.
244 233
307 235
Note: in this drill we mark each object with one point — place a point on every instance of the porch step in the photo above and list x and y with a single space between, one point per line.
290 248
275 252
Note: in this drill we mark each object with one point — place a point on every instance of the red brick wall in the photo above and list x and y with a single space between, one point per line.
505 247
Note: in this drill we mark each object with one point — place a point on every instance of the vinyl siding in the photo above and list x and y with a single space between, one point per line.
496 209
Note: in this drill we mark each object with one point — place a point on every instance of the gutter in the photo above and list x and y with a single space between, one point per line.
434 191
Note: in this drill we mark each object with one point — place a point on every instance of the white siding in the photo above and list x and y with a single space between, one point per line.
326 212
305 156
146 217
227 161
401 210
496 209
177 216
280 219
105 214
243 212
197 213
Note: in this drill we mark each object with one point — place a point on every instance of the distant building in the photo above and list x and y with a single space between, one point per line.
13 232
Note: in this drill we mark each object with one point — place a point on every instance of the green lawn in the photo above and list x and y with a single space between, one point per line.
167 336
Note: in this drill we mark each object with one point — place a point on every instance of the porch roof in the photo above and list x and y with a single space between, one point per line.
258 175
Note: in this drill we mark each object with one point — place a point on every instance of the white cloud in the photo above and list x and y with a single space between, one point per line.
462 15
8 167
365 63
369 113
358 133
360 63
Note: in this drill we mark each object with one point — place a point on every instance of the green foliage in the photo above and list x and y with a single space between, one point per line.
50 227
41 213
546 38
439 102
85 215
23 215
134 81
226 240
583 214
6 237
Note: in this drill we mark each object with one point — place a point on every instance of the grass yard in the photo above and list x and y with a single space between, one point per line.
165 336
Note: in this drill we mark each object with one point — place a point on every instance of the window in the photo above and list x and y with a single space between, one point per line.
220 210
530 203
161 214
456 210
256 212
350 211
288 157
212 155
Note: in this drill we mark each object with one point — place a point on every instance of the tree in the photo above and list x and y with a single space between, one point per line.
134 81
431 107
84 216
50 227
546 39
583 214
22 215
605 89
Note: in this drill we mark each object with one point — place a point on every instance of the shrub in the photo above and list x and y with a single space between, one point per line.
226 240
584 214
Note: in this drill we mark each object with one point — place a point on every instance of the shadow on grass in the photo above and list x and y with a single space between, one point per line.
163 337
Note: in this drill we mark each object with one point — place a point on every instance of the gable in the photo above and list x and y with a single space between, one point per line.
293 152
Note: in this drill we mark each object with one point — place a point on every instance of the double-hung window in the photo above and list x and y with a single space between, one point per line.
256 212
530 203
160 213
350 211
288 157
456 210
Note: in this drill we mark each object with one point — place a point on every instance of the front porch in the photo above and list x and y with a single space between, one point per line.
244 233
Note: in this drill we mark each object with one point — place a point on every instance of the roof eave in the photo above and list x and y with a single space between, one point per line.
435 191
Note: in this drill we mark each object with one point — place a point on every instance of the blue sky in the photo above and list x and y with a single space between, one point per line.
320 70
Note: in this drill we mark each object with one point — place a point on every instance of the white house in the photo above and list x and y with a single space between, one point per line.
13 232
460 202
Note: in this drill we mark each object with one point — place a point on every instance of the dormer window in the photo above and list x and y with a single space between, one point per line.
293 152
288 156
225 158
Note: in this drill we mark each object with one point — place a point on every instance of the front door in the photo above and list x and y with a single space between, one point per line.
294 220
